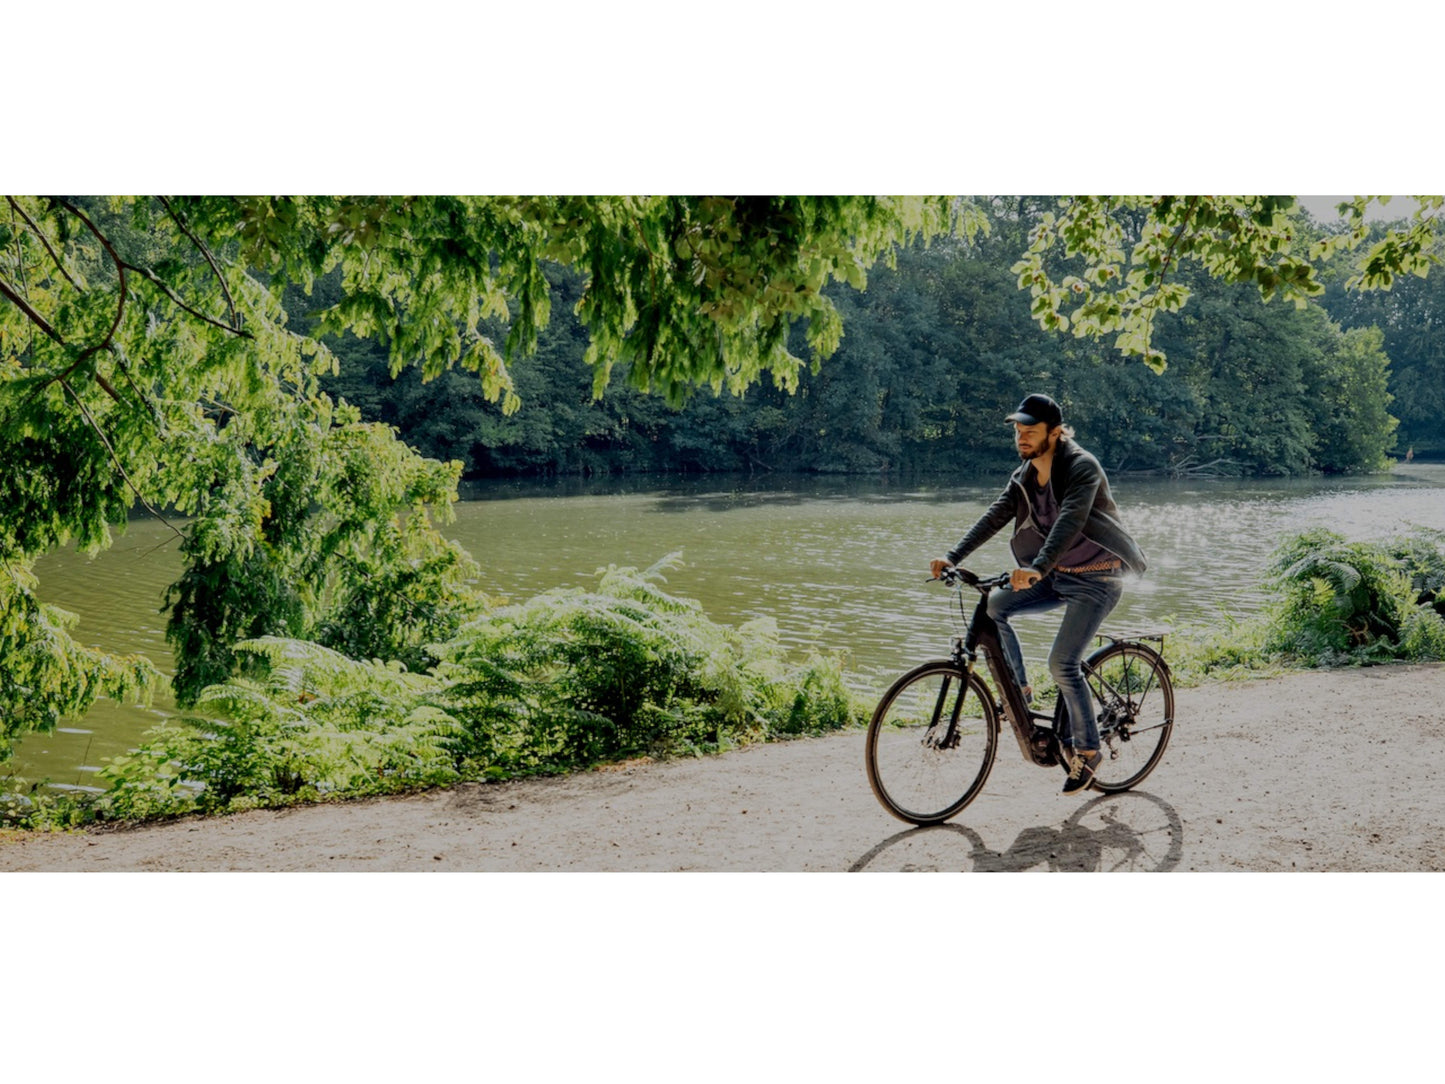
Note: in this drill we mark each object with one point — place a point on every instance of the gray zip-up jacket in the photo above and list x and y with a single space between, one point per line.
1085 506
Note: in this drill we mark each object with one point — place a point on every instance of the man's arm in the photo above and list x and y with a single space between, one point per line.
999 515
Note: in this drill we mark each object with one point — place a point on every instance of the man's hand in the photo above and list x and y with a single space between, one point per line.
1021 579
939 566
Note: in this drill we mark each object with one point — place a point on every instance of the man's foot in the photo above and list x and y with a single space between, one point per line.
1082 767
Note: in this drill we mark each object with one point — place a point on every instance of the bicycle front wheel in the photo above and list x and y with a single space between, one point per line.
1134 699
931 742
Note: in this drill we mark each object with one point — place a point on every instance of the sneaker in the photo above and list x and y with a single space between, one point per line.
1082 767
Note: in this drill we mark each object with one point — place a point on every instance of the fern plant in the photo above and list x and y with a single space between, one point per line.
315 723
1339 601
1331 602
572 677
567 679
1421 554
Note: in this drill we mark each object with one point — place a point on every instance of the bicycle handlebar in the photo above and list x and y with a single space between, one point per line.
955 575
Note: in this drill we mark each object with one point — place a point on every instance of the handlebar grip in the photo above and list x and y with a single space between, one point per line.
954 575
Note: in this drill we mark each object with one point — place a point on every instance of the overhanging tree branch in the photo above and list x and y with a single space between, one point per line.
225 290
1179 233
40 322
151 277
30 314
104 343
122 363
35 229
114 458
1165 264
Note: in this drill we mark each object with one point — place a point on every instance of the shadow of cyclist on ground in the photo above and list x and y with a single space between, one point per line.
1113 833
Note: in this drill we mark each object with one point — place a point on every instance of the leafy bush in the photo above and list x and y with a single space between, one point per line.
316 723
572 677
1336 602
339 546
1423 635
565 680
1421 554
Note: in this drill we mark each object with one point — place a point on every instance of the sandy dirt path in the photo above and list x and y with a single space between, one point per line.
1338 770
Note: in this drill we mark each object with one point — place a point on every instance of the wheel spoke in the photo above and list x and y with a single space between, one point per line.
931 743
1130 684
1135 731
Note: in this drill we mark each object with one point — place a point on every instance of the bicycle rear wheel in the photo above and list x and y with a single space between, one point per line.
1134 700
931 742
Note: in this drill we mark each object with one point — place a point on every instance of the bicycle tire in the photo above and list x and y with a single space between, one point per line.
1134 702
914 776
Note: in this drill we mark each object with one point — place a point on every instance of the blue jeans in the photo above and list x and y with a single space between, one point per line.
1088 598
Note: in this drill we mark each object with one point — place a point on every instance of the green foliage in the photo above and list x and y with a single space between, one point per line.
569 679
1421 556
1107 265
1334 602
1409 315
327 536
1227 650
46 674
146 358
935 349
313 723
1353 429
1404 249
1331 603
1258 389
1337 599
572 677
1422 635
682 291
810 699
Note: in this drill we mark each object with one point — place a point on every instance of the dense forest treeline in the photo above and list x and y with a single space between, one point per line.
933 353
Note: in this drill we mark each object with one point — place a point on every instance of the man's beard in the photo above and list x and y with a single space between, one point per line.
1042 449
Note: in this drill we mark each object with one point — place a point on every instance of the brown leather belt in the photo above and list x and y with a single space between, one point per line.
1100 566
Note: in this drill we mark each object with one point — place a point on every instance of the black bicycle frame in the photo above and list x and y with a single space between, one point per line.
1037 743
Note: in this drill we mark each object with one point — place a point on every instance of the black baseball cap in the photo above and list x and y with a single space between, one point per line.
1036 409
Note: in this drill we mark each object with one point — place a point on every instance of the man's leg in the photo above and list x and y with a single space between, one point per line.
1089 598
1005 603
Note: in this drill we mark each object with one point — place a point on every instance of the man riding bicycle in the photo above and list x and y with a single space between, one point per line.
1070 549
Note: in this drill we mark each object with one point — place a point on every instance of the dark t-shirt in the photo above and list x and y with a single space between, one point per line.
1046 510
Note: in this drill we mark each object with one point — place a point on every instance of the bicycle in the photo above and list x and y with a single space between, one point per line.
931 745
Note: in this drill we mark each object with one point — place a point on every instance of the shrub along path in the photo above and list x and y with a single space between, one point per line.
1333 770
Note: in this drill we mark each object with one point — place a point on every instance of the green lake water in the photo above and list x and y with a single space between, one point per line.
840 564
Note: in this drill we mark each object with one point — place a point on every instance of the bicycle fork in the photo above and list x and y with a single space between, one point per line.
941 734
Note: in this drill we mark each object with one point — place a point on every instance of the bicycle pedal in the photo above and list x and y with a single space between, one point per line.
1043 754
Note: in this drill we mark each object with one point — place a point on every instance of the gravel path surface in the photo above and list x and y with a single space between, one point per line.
1335 770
